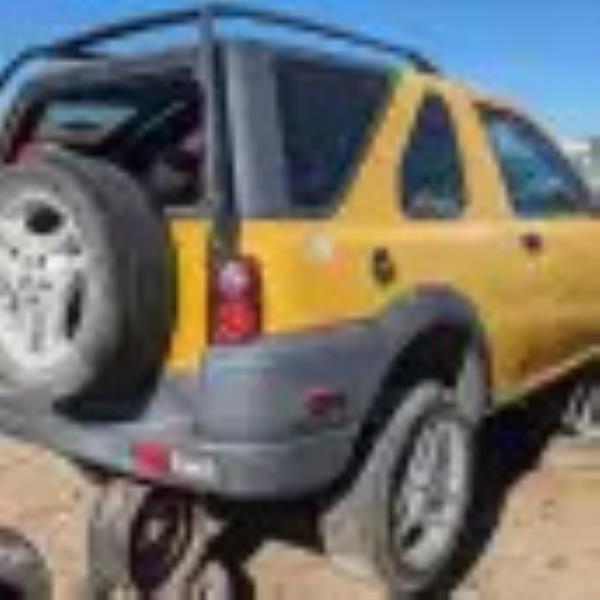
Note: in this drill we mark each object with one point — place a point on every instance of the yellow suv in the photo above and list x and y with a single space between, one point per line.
260 272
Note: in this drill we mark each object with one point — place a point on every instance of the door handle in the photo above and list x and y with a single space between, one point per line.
382 266
532 241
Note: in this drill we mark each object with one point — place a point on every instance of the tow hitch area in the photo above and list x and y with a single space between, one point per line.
154 544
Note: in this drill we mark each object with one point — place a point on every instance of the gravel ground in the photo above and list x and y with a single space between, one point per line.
536 535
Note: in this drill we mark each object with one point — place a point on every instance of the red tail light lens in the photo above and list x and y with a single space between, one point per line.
236 313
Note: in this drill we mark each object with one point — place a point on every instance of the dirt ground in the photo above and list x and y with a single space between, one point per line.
535 528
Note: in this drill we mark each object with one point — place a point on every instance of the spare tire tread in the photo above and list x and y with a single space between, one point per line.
127 353
145 273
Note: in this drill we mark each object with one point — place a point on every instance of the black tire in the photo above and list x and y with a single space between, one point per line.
213 582
580 414
23 571
126 301
360 531
124 563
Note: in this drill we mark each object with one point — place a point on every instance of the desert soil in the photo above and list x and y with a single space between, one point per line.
537 531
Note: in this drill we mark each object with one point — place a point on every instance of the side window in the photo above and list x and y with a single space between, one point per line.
539 180
431 169
326 113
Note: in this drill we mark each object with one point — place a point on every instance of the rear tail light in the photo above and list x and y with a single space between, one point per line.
235 301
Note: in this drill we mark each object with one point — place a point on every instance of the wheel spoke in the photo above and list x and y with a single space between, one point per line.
43 268
422 461
428 505
12 234
64 289
438 518
410 510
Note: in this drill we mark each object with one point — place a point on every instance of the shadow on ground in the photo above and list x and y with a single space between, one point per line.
511 444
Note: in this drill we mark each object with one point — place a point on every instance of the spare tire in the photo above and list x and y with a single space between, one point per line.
86 282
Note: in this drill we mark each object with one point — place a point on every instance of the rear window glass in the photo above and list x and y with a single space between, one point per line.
150 126
326 112
86 122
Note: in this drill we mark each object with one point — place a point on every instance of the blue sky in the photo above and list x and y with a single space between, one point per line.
542 54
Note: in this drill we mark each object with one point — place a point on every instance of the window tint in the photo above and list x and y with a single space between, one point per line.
326 113
102 119
150 126
431 170
539 181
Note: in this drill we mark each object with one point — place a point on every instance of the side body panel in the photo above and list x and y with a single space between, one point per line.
538 310
567 259
319 274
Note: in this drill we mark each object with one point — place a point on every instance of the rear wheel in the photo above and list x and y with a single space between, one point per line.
427 495
23 571
406 511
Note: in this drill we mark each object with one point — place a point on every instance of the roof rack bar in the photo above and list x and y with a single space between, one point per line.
77 46
233 10
129 27
74 45
41 52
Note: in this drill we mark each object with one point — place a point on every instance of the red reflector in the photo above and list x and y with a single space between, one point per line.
151 459
322 402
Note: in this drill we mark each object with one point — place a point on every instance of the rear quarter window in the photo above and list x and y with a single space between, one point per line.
150 125
326 113
88 121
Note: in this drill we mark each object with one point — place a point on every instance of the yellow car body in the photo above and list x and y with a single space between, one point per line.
375 258
539 313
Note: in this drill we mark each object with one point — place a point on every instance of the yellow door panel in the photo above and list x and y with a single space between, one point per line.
516 293
579 283
564 253
319 273
567 260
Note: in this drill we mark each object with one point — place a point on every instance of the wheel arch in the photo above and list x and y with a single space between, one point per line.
436 330
435 333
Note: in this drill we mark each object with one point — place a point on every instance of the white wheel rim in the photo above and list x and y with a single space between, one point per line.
44 270
429 503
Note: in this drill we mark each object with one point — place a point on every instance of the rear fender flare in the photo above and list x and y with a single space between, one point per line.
430 309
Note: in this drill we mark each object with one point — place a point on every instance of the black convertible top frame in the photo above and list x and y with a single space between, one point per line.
83 47
78 46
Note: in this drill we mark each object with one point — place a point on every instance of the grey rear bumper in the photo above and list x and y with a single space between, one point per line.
277 470
242 426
